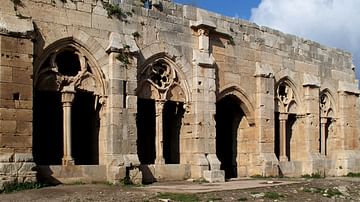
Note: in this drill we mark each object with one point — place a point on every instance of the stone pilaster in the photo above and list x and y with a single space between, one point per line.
264 119
120 141
313 162
204 109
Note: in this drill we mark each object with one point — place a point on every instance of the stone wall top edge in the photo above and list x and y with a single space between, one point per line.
238 21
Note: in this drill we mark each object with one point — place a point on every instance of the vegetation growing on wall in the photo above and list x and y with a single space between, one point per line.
114 10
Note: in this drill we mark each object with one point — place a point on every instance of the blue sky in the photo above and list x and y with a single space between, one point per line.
334 23
232 8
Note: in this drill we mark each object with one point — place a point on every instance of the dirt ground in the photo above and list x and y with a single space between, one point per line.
332 189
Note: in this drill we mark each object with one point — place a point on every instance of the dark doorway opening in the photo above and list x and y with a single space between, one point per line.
289 133
228 117
327 131
145 121
47 128
277 135
172 117
85 125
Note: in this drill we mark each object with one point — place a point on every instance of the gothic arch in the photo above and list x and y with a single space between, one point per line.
90 73
245 102
160 78
327 104
286 96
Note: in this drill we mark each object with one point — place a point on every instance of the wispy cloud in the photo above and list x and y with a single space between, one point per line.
335 23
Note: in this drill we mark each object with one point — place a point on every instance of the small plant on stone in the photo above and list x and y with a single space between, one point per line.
231 41
136 35
124 55
114 10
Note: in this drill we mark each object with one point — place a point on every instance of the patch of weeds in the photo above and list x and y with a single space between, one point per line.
242 199
324 192
261 176
201 181
114 10
14 187
316 175
273 195
231 41
136 35
77 183
124 55
178 197
353 174
126 182
215 199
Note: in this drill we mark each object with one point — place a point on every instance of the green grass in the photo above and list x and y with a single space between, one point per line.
273 195
353 175
178 197
324 192
313 176
14 187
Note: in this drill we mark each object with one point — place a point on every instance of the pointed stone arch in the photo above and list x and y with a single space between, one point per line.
86 60
163 94
287 107
286 96
244 101
161 78
328 139
69 80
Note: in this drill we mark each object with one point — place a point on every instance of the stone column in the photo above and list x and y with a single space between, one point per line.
159 108
67 97
323 122
283 118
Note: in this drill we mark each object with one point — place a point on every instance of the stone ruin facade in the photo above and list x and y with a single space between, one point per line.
92 90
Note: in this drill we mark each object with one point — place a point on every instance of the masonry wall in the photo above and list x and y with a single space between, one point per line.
16 110
213 56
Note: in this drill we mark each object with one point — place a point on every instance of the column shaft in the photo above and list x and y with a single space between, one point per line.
159 108
67 99
283 119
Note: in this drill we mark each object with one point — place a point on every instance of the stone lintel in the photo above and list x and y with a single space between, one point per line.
203 59
311 80
117 43
264 70
14 26
202 24
348 87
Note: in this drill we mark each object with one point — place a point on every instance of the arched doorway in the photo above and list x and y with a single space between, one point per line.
67 89
161 103
228 118
288 142
327 140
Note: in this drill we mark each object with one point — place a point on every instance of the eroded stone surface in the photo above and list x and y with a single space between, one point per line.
168 92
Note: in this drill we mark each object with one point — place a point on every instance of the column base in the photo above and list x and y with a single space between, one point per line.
159 161
68 161
284 158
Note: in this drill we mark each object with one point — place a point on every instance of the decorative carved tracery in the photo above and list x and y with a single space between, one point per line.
285 98
160 81
67 66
